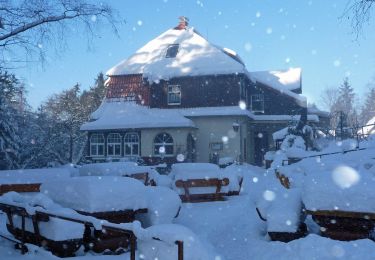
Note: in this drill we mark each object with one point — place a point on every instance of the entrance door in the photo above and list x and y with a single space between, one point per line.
260 147
190 144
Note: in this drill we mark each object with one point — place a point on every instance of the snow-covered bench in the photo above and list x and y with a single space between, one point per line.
21 188
145 174
215 183
197 182
29 180
344 225
61 237
115 199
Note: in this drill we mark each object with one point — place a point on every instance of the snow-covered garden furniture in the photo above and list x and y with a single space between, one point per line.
199 182
21 188
145 174
115 199
29 180
344 225
143 177
214 183
61 237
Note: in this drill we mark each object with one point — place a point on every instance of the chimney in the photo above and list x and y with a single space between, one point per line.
184 21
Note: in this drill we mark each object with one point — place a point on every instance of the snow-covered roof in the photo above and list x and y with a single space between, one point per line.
215 111
124 115
129 115
317 111
283 81
313 118
195 56
289 79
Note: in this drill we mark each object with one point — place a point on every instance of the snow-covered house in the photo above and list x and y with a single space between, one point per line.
182 98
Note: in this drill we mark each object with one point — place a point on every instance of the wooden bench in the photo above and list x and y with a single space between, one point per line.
99 240
216 183
64 248
344 225
284 180
33 187
142 176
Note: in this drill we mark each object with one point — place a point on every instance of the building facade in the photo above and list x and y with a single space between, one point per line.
181 98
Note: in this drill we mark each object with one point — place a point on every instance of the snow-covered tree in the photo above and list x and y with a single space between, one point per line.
368 107
9 136
66 114
29 28
92 98
359 12
343 107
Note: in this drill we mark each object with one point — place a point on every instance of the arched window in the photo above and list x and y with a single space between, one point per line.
131 144
163 145
97 145
114 144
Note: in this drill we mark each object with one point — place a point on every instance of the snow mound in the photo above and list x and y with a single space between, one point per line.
344 181
122 169
97 194
163 206
29 176
194 248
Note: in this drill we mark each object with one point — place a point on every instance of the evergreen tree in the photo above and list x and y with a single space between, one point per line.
9 116
344 107
92 98
368 108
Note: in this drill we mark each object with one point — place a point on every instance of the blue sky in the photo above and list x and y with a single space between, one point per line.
267 34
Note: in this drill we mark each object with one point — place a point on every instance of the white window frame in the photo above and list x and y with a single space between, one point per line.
95 143
166 140
130 142
114 140
174 90
259 98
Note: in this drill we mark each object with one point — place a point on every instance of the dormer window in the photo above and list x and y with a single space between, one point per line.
172 51
257 103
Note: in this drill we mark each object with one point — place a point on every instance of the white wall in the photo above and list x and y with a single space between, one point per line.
218 129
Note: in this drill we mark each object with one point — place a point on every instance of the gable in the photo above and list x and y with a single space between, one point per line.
195 56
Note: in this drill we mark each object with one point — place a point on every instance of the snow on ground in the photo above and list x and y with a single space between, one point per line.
232 229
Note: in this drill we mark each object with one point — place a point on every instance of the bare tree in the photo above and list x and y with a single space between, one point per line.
329 98
29 27
359 13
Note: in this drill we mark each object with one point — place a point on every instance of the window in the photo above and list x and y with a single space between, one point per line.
257 103
131 144
97 145
216 146
114 144
174 95
163 145
172 51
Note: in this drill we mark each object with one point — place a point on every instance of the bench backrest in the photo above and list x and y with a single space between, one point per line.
34 187
199 183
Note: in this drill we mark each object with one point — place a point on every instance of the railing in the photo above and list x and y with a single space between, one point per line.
88 222
297 159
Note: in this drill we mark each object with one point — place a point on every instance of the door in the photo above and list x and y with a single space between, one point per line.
260 147
190 145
